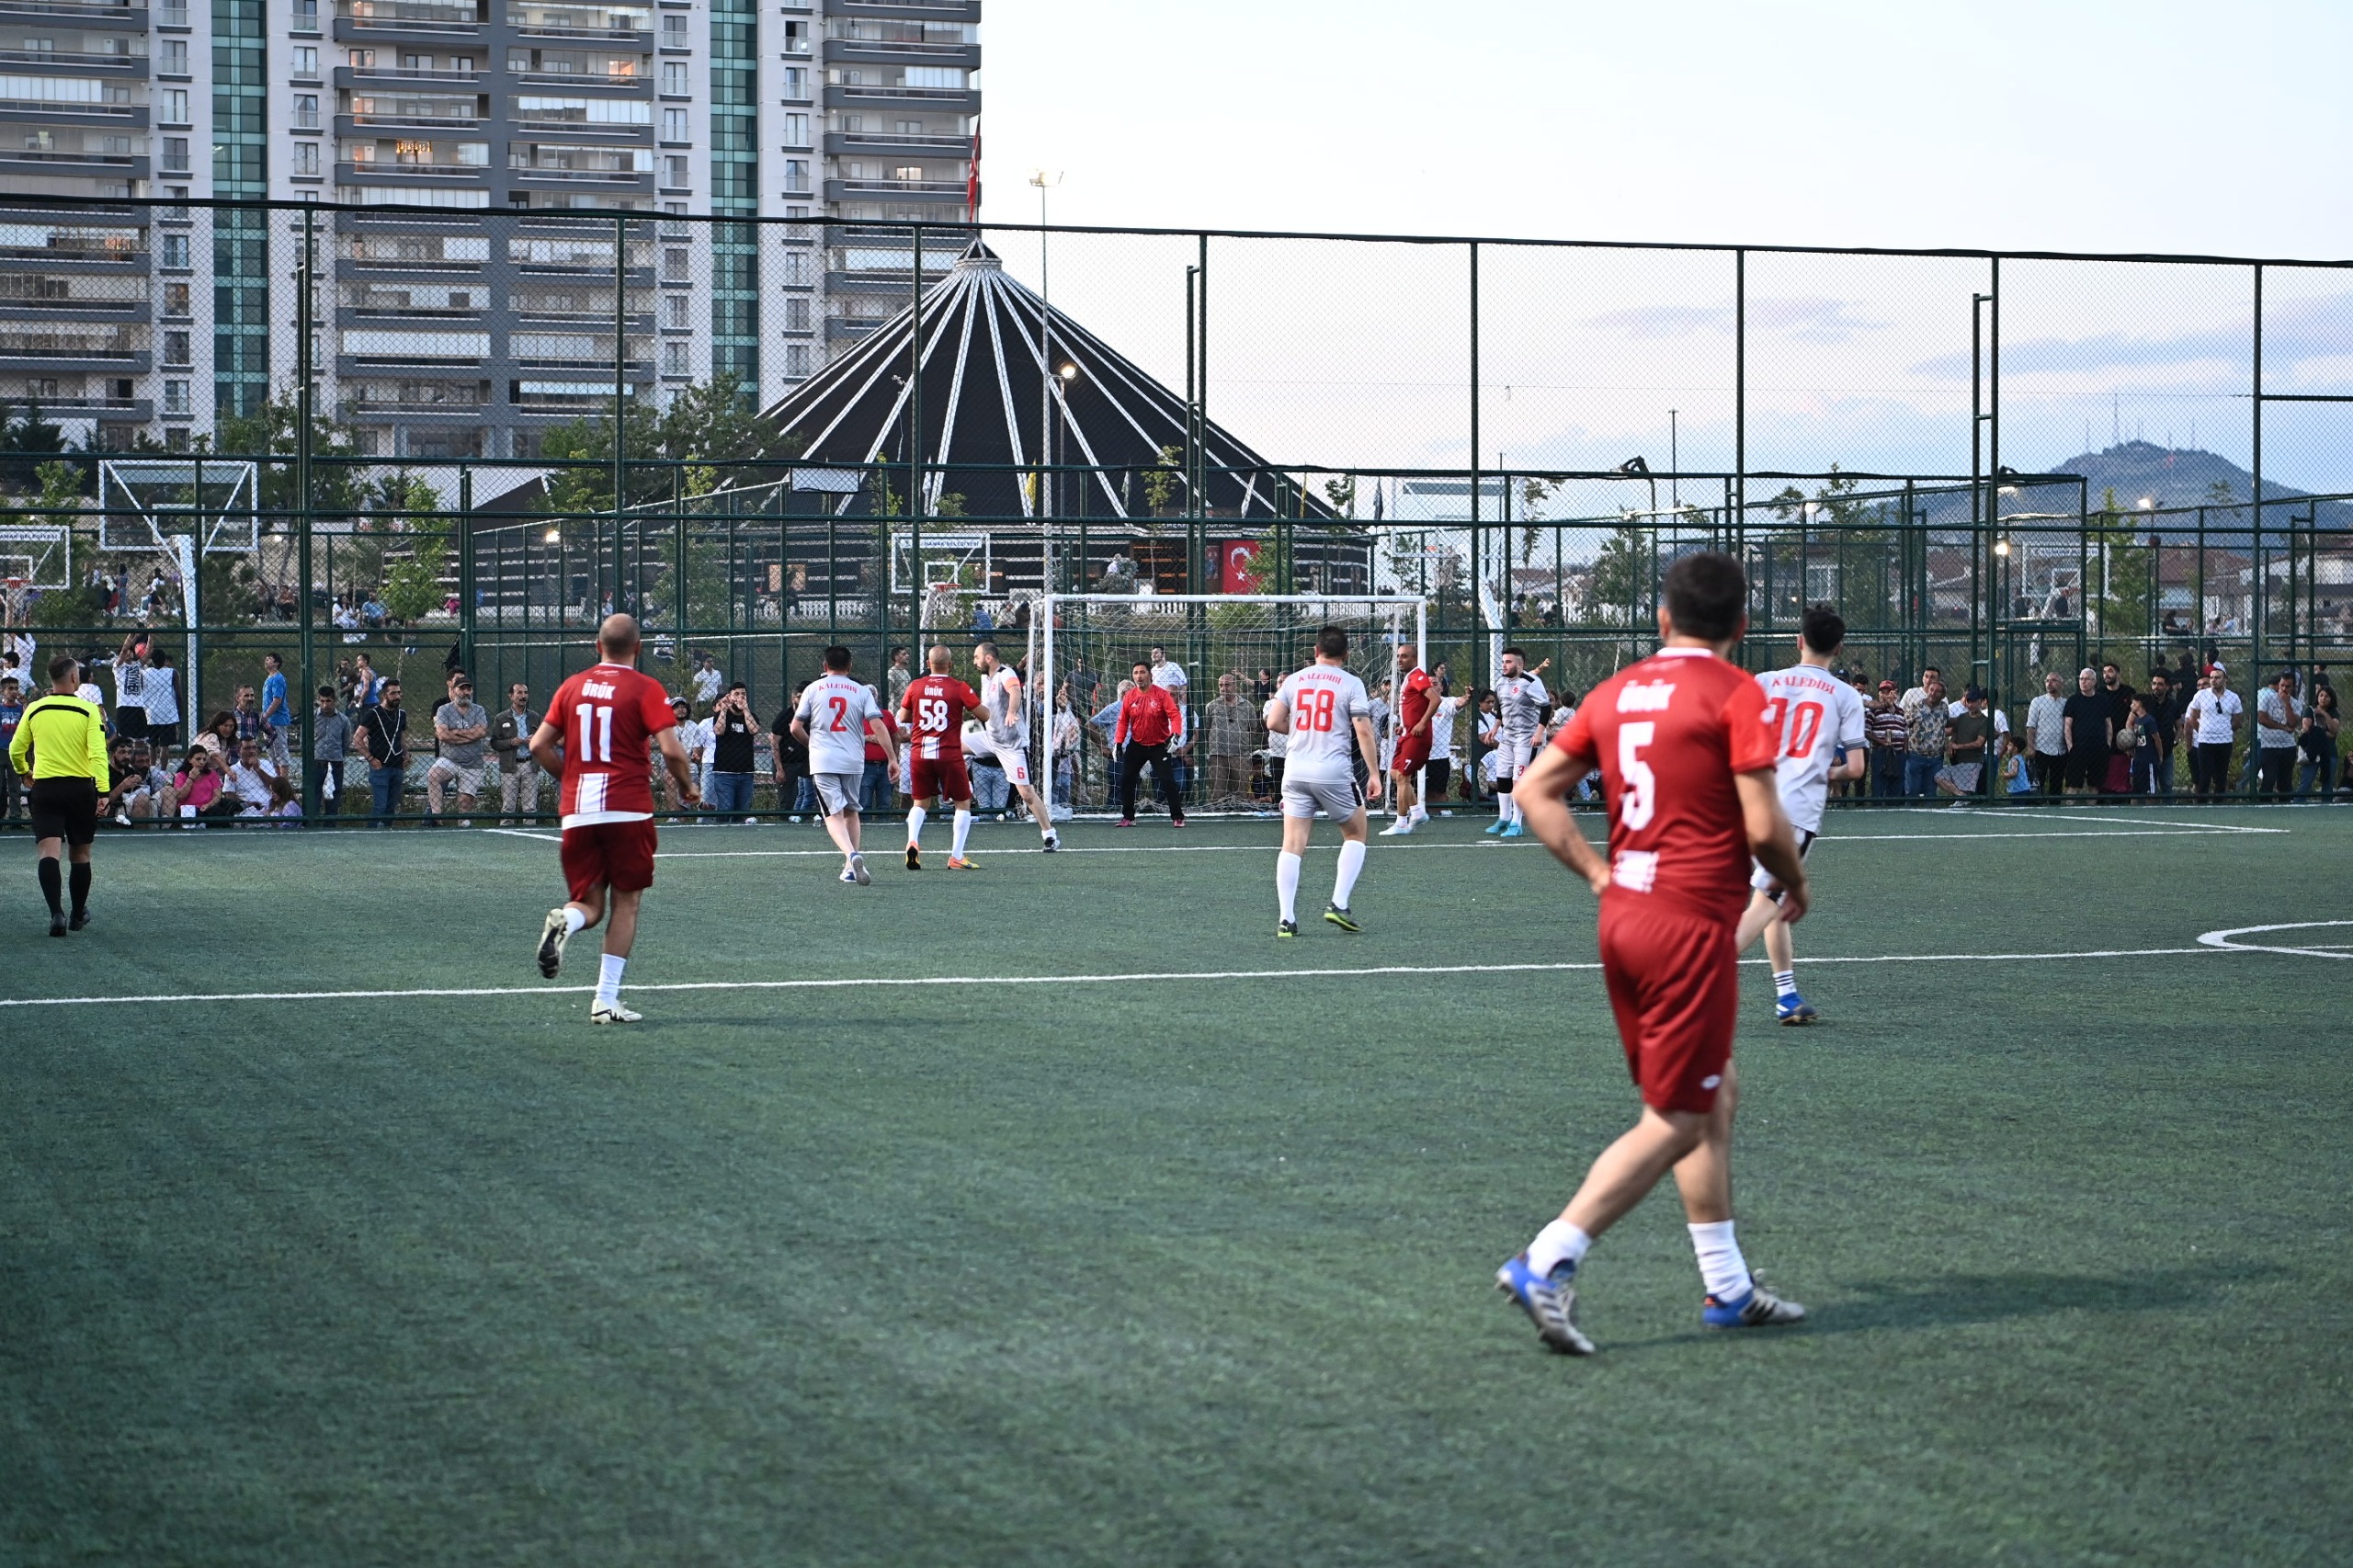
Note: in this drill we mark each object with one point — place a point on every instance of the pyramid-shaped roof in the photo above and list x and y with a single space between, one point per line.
985 377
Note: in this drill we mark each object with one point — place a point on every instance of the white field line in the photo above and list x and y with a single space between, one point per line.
1125 978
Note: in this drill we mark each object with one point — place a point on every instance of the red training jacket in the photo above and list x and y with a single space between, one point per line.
1148 716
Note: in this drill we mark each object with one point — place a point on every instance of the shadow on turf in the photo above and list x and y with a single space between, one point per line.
1961 1300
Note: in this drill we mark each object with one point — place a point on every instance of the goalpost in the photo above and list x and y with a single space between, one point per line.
1096 638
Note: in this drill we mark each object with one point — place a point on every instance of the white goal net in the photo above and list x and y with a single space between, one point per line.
1088 644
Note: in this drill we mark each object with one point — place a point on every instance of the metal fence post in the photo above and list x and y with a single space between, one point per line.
915 463
1478 550
621 393
305 514
2259 576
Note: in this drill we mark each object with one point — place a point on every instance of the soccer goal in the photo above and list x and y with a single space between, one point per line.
1091 642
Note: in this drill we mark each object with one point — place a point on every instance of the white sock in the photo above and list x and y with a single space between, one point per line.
963 831
573 919
1503 807
1721 1268
915 825
1287 883
1351 867
1420 813
1556 1243
1785 983
609 980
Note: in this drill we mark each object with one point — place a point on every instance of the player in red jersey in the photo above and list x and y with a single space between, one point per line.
595 738
934 709
1414 708
1688 770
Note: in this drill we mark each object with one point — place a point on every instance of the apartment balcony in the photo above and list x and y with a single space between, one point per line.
96 117
79 253
625 26
351 124
71 13
959 101
570 400
415 407
395 317
875 144
52 351
523 125
115 165
912 10
372 21
641 82
135 408
25 312
927 190
875 51
441 176
399 77
74 62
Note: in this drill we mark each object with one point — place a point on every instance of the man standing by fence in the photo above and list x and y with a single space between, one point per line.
384 734
2212 724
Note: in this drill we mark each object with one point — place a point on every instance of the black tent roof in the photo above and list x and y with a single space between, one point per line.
985 339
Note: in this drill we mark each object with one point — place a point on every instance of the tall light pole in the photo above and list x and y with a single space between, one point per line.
1045 180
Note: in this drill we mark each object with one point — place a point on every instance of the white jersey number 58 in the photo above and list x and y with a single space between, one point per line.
1636 803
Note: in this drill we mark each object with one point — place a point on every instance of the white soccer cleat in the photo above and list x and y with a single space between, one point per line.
858 873
1397 829
614 1013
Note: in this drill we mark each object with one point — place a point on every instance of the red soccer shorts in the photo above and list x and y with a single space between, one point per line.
1676 995
940 778
1413 755
619 854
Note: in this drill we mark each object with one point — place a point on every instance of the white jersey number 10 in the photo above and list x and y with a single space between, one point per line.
1800 725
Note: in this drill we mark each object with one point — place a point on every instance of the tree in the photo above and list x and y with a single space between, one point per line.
1343 495
1534 494
2125 578
1160 481
24 442
1617 585
405 504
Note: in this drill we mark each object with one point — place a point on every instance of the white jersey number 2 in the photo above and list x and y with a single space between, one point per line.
1638 803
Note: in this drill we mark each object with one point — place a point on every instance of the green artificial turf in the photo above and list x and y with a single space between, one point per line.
1162 1272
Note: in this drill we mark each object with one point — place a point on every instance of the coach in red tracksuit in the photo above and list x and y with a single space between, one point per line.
1148 719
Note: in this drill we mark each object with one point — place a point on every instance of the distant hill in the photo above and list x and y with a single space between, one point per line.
2175 476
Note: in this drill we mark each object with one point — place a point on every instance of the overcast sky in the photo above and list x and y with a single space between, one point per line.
2068 125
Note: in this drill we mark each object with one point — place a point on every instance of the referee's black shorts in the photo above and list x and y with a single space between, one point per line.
65 808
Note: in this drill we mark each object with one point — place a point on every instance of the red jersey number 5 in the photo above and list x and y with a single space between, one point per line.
1638 797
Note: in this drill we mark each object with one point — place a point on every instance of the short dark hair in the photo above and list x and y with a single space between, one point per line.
1706 596
327 692
1332 643
63 664
836 657
738 685
1515 651
1823 627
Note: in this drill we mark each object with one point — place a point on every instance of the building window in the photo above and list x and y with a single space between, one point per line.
306 111
796 131
172 60
176 252
796 176
673 32
674 173
796 314
796 38
796 267
176 155
175 438
674 312
306 61
306 16
673 356
673 125
175 299
176 397
674 264
674 78
907 174
175 105
176 347
796 82
796 359
306 159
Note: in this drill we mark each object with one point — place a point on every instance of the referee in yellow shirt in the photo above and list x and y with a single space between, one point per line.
61 747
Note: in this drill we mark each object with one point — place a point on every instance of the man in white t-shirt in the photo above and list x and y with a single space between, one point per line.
1321 712
709 683
1818 720
1521 700
836 717
2277 716
2209 726
1005 735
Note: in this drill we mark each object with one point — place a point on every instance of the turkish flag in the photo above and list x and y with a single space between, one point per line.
1234 567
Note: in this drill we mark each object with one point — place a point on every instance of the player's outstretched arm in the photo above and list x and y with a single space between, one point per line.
1771 839
682 773
1541 794
547 749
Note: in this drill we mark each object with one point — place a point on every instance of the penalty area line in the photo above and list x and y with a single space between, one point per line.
1136 977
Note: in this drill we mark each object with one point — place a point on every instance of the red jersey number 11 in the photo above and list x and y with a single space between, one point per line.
595 722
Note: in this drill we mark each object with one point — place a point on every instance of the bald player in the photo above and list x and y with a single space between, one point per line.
933 706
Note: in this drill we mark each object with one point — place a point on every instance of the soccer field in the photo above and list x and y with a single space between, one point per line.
1057 1214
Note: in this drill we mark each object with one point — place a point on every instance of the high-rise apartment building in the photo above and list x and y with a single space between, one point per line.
562 147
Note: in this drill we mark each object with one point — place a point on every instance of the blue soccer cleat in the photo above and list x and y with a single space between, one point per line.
1759 1308
1514 831
1793 1010
1551 1303
1495 827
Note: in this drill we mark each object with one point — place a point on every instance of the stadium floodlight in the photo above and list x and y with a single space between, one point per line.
1209 635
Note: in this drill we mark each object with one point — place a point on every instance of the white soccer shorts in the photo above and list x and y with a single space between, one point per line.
1763 881
1336 798
1014 759
1512 758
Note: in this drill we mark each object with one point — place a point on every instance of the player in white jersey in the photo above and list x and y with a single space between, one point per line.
1005 735
1519 726
1321 712
1818 720
836 717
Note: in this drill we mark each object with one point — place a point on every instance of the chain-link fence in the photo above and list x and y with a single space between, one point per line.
383 442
